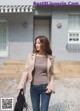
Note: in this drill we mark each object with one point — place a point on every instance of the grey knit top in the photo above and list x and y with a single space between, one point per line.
40 71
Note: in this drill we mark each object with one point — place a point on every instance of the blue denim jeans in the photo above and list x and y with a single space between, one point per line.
38 95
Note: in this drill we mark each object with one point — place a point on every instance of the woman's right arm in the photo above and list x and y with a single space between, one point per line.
24 77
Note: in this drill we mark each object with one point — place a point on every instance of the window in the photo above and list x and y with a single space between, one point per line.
73 33
74 28
3 38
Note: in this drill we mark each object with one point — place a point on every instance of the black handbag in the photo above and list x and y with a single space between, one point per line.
21 104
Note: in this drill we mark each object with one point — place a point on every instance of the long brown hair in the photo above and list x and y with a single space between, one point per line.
45 45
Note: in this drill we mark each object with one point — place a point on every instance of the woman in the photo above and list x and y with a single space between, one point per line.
39 73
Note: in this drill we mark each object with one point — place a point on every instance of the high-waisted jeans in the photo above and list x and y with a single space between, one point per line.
38 95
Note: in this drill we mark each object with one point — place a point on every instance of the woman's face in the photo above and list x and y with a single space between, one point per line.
38 45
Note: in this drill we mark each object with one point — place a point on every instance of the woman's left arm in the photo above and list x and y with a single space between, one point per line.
50 86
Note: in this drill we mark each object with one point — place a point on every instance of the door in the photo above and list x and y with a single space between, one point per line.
42 26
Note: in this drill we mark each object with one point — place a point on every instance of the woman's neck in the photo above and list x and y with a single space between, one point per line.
40 53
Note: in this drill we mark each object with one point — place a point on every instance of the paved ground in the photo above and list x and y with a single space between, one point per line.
66 98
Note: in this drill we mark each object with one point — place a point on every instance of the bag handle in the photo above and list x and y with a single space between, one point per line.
21 92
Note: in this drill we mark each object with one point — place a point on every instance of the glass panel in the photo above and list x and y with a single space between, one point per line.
74 21
2 36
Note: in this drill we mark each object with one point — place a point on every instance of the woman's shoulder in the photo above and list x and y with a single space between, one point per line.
31 54
51 56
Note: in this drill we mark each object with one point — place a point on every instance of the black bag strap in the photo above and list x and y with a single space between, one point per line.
22 93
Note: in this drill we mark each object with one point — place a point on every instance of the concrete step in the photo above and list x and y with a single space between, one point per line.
11 71
67 75
14 62
12 68
67 67
10 75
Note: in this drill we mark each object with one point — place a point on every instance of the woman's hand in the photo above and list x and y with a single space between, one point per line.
18 90
48 90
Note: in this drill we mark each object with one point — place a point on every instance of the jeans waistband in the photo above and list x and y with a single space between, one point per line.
41 85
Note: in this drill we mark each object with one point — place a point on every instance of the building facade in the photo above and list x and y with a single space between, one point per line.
22 21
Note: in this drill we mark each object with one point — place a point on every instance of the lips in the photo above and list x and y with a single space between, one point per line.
37 48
